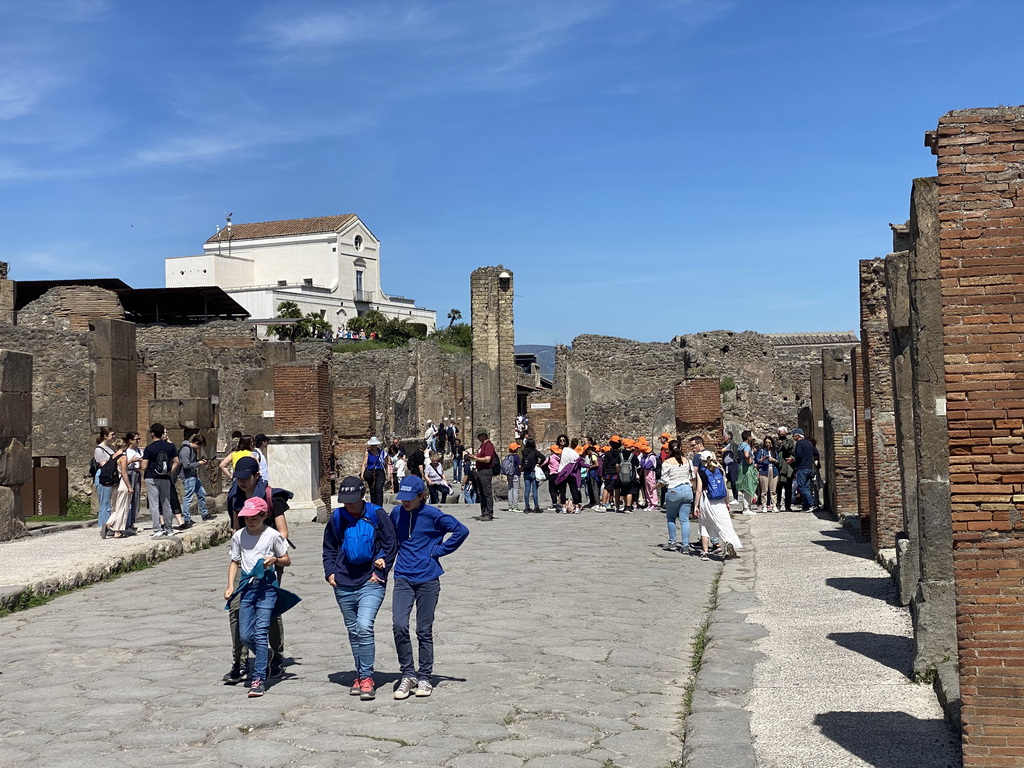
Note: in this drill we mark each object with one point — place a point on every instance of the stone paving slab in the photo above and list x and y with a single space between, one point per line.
562 640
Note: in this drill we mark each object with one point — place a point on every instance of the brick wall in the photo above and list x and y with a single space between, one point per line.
303 404
981 263
838 415
545 423
865 499
698 408
493 366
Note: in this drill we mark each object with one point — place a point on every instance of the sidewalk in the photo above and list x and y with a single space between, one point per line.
66 559
808 660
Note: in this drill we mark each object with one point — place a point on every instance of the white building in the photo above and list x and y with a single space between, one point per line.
329 265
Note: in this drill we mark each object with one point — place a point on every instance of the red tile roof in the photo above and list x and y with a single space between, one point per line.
313 226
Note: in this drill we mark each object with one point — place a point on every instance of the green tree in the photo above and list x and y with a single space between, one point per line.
453 315
285 310
456 335
389 330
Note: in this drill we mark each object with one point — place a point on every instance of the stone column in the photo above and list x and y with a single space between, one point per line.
494 368
933 605
303 406
115 381
15 436
908 544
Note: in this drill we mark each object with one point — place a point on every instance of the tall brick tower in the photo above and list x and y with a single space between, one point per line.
494 365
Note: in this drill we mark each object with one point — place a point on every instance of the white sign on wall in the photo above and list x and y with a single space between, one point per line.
540 406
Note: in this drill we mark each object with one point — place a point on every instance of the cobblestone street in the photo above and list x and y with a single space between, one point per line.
560 641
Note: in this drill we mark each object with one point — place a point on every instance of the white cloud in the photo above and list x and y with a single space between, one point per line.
21 88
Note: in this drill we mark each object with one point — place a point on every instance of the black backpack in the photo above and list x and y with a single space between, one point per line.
162 465
109 473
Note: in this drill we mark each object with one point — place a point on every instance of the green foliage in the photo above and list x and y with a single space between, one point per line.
453 315
389 330
79 508
727 384
457 337
313 325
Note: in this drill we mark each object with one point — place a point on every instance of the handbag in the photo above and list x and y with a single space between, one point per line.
539 474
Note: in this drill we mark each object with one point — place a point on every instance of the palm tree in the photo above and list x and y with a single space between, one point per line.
453 315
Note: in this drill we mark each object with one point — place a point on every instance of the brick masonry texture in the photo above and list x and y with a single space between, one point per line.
303 404
698 409
981 210
545 423
494 374
881 463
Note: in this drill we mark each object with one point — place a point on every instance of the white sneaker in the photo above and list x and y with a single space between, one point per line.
158 534
405 687
424 688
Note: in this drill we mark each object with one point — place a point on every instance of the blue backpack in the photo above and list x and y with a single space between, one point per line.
716 483
359 540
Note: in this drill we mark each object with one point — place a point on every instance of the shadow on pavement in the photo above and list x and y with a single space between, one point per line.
891 650
879 587
893 739
847 547
383 678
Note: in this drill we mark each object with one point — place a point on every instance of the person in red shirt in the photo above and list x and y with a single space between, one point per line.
485 459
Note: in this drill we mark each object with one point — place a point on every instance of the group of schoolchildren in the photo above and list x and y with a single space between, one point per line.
362 546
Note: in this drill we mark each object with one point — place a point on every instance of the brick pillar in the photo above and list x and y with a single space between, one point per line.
698 409
303 404
8 293
981 266
879 417
837 404
494 368
865 503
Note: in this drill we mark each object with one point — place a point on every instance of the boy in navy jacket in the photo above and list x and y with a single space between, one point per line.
421 530
359 551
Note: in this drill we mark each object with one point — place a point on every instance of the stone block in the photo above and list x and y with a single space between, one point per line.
278 353
203 383
164 412
110 338
11 524
8 294
15 464
15 371
258 379
15 416
195 413
257 401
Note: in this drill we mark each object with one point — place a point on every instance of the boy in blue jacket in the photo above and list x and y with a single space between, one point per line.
421 531
359 550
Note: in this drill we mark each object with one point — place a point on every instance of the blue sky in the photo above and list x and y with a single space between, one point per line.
646 168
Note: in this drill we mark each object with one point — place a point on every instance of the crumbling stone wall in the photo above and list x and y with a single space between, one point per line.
71 308
619 385
840 440
981 269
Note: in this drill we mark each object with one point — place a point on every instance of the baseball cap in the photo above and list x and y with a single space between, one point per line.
513 446
246 467
615 439
411 487
260 438
350 491
666 434
252 507
797 431
481 431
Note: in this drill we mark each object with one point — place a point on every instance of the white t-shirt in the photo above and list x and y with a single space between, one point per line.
134 453
261 459
398 464
248 549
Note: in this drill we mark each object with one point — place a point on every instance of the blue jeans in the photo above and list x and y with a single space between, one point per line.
103 493
403 596
803 487
359 606
194 488
457 471
678 504
254 613
531 487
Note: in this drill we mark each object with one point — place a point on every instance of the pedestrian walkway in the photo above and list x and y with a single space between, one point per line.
832 690
563 641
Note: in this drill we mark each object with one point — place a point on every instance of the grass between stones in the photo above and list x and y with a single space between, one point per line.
700 642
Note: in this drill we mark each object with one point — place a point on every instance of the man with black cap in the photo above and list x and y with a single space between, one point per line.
248 484
425 535
484 458
803 462
359 551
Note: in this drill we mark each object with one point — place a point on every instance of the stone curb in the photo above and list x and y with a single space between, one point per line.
718 727
137 554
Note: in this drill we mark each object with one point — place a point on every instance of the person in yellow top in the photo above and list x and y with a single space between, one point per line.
244 448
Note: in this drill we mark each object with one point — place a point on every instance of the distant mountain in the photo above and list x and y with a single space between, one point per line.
545 357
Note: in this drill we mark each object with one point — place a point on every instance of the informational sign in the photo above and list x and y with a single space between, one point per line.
268 414
540 406
940 406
